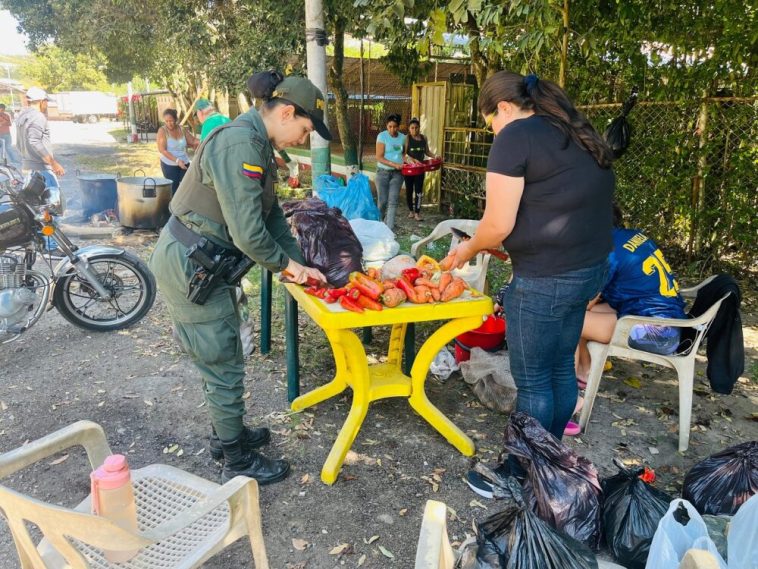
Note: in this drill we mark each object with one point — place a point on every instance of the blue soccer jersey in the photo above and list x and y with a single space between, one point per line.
640 281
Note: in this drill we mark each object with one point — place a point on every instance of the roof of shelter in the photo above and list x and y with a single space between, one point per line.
378 80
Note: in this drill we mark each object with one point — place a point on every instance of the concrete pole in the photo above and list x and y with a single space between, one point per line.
315 43
133 137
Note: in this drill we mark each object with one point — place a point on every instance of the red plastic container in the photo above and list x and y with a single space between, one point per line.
433 164
489 336
413 169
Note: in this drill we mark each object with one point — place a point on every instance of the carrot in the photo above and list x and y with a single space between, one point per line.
423 293
388 284
349 304
453 290
403 284
391 297
436 294
445 279
426 282
369 303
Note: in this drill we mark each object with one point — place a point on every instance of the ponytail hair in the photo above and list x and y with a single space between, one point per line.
393 118
263 84
546 99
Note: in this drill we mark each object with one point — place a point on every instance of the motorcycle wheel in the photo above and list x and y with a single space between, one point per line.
125 276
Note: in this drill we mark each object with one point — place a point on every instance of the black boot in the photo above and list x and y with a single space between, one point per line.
239 462
250 438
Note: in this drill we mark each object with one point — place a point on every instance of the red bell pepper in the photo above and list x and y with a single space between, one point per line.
335 293
367 286
411 273
349 304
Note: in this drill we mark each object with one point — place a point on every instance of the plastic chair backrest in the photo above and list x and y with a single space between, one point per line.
63 527
474 273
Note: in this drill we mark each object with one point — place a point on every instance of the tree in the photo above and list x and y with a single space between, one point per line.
339 15
189 46
56 69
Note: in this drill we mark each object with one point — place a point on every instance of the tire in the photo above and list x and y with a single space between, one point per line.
92 119
72 296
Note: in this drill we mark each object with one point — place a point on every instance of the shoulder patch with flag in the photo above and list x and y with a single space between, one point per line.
252 171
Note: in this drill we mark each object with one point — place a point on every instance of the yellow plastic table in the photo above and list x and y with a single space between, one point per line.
379 381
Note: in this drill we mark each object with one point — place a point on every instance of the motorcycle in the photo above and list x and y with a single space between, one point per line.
96 287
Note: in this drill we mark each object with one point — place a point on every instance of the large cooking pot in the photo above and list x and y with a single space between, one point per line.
143 201
98 192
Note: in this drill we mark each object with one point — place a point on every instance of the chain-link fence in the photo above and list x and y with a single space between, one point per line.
689 176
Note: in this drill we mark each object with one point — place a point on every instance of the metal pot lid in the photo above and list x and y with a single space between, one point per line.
142 180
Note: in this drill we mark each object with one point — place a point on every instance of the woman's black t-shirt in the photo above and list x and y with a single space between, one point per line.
416 148
565 220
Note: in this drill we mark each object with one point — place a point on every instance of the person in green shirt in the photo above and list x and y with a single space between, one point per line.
209 117
226 202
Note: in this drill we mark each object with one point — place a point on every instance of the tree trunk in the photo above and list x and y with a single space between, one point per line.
478 59
347 136
564 46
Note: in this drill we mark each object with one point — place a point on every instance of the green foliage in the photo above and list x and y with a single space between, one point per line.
56 69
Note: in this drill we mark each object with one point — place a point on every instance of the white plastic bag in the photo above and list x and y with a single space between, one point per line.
444 364
377 240
680 529
742 541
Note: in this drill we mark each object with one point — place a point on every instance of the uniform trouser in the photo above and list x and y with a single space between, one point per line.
209 333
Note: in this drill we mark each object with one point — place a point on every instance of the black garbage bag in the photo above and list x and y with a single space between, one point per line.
515 538
619 132
721 483
325 238
561 487
631 512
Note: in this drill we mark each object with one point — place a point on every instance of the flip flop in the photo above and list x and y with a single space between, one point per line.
572 429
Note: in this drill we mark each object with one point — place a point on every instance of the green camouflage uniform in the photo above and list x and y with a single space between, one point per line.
228 197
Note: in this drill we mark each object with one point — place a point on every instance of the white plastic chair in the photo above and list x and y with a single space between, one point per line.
475 274
682 362
434 550
183 520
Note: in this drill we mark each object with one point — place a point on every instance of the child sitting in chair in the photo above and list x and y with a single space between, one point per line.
640 282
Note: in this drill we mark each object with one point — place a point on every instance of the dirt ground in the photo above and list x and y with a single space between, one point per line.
146 395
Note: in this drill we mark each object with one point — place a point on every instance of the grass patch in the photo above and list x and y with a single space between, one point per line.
124 159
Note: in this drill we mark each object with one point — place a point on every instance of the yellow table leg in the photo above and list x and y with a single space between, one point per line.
356 364
418 399
334 387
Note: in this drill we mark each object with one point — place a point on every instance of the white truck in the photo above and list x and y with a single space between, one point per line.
86 106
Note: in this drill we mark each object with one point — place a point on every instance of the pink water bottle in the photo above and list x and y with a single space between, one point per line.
113 498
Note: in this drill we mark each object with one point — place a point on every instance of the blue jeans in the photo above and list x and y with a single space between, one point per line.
14 157
545 317
175 174
388 184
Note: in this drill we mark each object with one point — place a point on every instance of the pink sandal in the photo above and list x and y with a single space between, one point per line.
572 429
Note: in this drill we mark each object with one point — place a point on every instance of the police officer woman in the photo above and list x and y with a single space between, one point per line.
226 207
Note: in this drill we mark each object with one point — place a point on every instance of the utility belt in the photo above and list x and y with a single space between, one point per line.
215 264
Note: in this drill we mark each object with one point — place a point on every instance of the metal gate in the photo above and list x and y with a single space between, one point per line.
428 104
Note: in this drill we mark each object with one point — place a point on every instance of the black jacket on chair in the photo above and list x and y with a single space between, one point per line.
725 347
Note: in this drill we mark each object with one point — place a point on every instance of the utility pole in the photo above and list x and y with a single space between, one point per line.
315 44
132 119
